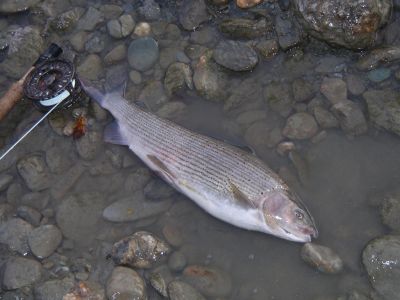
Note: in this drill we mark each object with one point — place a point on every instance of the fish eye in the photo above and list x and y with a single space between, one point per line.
299 215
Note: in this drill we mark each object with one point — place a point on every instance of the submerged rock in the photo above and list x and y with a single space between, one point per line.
192 13
379 56
20 272
279 98
334 89
384 109
160 278
236 56
14 233
247 3
54 289
288 34
322 258
179 290
121 27
381 259
238 28
300 126
12 6
351 24
143 53
351 118
141 250
390 211
85 290
126 283
210 281
44 240
178 76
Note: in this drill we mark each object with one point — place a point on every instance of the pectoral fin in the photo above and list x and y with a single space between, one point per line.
240 197
164 170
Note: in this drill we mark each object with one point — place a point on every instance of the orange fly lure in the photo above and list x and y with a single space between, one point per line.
80 127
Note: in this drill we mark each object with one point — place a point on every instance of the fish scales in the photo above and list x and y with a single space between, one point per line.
228 183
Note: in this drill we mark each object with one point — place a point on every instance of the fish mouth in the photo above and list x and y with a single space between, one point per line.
304 236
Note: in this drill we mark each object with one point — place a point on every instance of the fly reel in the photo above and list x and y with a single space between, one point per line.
53 83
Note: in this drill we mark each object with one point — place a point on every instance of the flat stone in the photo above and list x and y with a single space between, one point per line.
20 272
35 173
121 27
279 98
14 233
351 118
321 258
355 84
179 290
334 89
29 214
116 54
44 240
192 13
300 126
54 289
90 19
239 28
5 181
126 283
91 67
379 75
236 56
143 53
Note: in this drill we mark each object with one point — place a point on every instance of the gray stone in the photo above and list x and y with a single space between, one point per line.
150 10
192 13
346 28
350 116
300 126
204 35
95 43
325 118
116 54
158 189
111 11
177 77
239 28
29 214
58 159
153 95
137 180
5 181
173 235
6 212
91 67
179 290
177 261
249 117
381 259
34 171
135 77
66 181
88 146
390 211
302 90
321 258
143 53
67 20
172 110
159 279
379 56
25 44
268 48
384 109
334 89
126 283
79 216
210 281
134 208
121 27
260 135
91 19
116 76
288 34
247 91
12 6
378 75
14 193
236 56
20 272
54 289
44 240
355 84
90 289
279 98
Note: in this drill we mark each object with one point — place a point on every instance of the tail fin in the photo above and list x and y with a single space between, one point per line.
94 93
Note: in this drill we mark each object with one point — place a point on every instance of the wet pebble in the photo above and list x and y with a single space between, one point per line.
334 89
236 56
379 75
140 250
29 214
267 48
6 212
14 233
142 29
381 259
35 173
134 208
285 147
150 10
143 53
116 54
177 77
239 28
325 118
159 279
322 258
300 126
350 116
5 181
121 27
173 234
90 19
89 145
247 3
279 98
302 90
44 240
125 283
153 95
177 261
379 56
390 211
86 290
54 289
91 67
210 281
288 34
355 84
20 272
158 189
192 13
135 77
179 290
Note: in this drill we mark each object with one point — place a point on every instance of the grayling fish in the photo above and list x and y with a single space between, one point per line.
230 184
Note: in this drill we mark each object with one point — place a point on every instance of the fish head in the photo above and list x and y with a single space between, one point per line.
287 217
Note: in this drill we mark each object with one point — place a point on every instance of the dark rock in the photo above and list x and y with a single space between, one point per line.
121 27
381 259
355 84
116 54
153 95
390 211
91 67
334 89
20 272
236 56
238 28
141 250
159 279
351 24
91 19
6 212
203 36
158 189
288 34
150 10
379 56
5 181
10 6
95 43
54 289
379 75
89 145
302 90
384 109
325 118
192 13
14 233
351 118
29 214
127 284
178 76
179 290
44 240
267 48
322 258
177 261
173 234
67 20
279 98
34 171
143 53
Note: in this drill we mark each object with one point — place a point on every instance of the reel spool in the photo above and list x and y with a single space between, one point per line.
52 82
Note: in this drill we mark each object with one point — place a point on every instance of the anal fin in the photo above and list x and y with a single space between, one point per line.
113 135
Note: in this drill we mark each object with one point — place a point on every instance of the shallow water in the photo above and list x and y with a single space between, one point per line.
345 174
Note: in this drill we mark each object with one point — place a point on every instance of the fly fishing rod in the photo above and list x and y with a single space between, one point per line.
50 84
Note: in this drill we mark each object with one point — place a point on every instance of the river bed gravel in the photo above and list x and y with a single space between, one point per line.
83 219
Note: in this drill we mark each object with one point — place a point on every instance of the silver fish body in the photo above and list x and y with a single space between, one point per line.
230 184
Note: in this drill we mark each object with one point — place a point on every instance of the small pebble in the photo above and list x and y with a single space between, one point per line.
378 75
321 258
177 261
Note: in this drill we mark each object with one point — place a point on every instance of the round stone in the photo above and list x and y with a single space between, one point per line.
143 53
44 240
127 284
20 272
300 126
321 258
179 290
236 56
